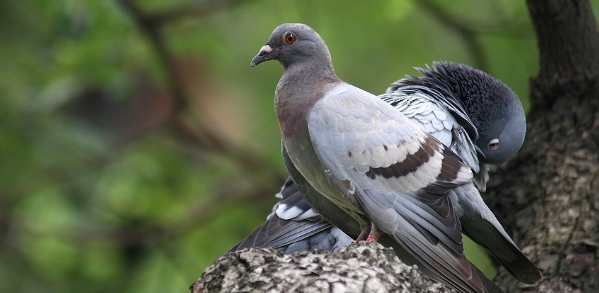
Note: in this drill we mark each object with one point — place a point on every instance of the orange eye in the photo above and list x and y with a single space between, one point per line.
289 38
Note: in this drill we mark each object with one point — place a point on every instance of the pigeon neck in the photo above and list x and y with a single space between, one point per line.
309 72
300 87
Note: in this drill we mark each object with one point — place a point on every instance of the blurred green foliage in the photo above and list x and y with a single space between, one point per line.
137 145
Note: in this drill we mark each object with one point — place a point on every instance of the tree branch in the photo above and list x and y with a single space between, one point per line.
152 25
568 40
359 267
192 10
464 31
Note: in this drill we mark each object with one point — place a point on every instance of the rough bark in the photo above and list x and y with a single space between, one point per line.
361 267
548 194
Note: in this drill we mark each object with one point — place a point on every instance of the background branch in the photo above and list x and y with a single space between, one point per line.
466 32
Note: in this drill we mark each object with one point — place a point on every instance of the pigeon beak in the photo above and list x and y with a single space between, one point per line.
263 55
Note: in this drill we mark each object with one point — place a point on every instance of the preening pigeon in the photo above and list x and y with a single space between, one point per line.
358 160
481 120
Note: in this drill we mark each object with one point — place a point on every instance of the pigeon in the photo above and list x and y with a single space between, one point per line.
436 102
482 121
367 163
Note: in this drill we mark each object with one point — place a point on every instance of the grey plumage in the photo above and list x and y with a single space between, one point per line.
368 159
435 102
436 106
486 112
294 226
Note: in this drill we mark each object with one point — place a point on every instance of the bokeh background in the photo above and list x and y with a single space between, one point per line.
137 144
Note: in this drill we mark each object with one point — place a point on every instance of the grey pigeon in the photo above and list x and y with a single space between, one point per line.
436 102
482 121
361 155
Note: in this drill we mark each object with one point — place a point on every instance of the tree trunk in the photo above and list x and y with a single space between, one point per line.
548 194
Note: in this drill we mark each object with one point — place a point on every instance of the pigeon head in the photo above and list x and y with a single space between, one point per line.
492 106
501 139
294 43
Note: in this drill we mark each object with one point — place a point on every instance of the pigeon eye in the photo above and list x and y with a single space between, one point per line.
289 38
493 144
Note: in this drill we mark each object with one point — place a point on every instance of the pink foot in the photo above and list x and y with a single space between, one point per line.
373 236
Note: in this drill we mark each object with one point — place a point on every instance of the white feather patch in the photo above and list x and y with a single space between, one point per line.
286 212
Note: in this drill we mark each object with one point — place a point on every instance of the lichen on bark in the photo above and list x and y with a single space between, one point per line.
360 267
